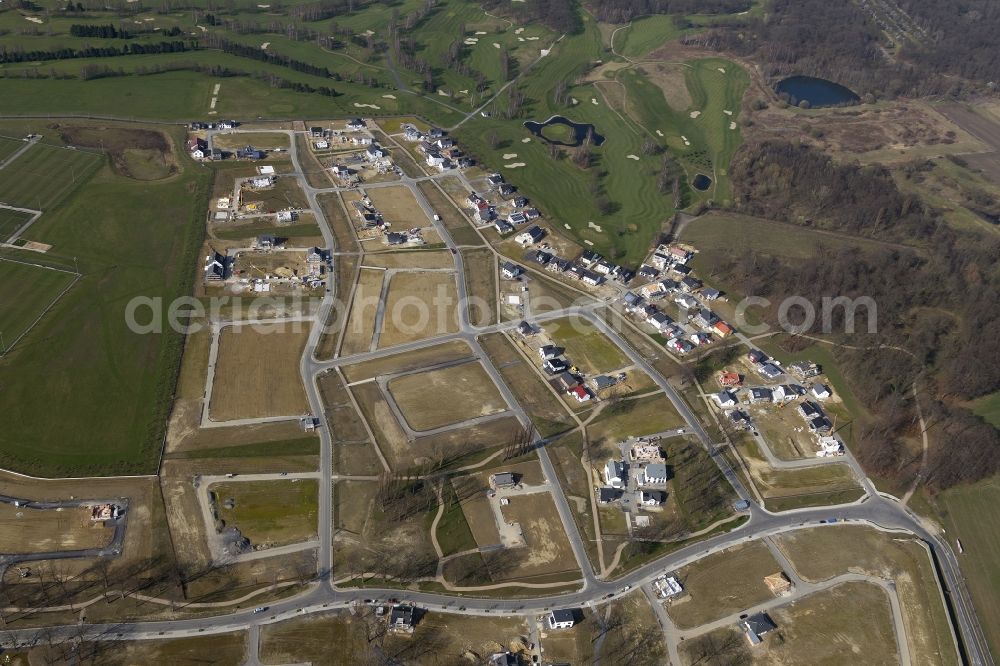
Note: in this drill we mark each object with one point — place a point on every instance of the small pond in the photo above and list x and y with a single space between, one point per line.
701 182
564 132
818 92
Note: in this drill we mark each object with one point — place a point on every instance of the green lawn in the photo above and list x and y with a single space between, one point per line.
988 407
11 221
646 34
271 512
9 146
972 515
34 290
586 347
112 386
43 175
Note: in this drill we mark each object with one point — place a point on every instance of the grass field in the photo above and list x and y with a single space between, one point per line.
417 306
9 146
628 418
226 650
723 583
586 347
130 238
819 554
988 407
42 176
44 530
398 207
970 515
414 259
645 34
481 282
11 221
448 395
257 374
38 288
458 227
274 513
259 140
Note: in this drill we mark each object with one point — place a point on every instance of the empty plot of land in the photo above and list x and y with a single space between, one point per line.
45 174
272 513
406 361
459 228
634 417
585 346
481 283
361 318
547 547
257 372
723 583
398 207
259 140
29 530
411 259
478 513
418 306
36 289
819 554
285 193
438 397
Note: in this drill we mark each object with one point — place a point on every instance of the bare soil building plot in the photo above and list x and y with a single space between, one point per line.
448 395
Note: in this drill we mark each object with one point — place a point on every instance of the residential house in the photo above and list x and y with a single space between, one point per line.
531 214
411 133
510 270
633 301
659 261
505 659
589 256
581 393
426 148
805 369
654 474
686 302
615 473
681 270
784 393
526 329
710 294
704 318
444 142
567 382
402 618
830 446
540 257
756 356
373 153
547 352
261 182
216 267
506 189
648 272
355 125
757 625
435 160
503 227
760 394
561 619
315 132
558 265
316 255
362 140
810 410
286 216
653 497
769 370
820 424
554 366
532 235
679 254
503 480
265 242
821 392
435 132
739 419
725 399
517 218
591 278
679 345
520 202
722 329
603 382
690 284
494 179
728 379
394 238
322 144
659 321
198 153
216 154
608 495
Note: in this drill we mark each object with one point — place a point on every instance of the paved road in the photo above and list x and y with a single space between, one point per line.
873 510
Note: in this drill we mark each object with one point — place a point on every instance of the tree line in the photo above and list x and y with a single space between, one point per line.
936 303
623 11
15 54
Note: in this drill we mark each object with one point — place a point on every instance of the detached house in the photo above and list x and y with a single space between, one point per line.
561 619
615 473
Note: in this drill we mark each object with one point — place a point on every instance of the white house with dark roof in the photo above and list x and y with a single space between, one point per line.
561 619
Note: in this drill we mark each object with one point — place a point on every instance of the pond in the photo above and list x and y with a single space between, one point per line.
818 92
564 132
701 182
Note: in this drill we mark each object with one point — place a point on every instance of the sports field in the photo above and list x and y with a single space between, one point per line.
37 289
44 174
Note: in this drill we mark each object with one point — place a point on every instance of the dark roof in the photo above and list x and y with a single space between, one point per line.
563 615
608 494
504 479
657 495
603 381
760 623
401 614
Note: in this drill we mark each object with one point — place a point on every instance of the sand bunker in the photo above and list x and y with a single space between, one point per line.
595 227
496 45
526 139
509 156
480 32
695 114
514 165
659 133
722 69
593 100
633 157
265 45
519 31
732 125
567 226
389 96
727 112
368 106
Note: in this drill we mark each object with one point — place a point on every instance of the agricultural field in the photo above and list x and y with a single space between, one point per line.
257 372
435 398
269 513
819 554
39 288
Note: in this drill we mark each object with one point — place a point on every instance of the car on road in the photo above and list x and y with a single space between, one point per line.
626 588
260 609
